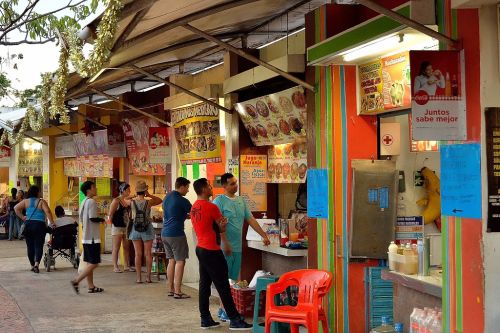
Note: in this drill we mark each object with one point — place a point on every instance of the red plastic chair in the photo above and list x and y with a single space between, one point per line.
313 286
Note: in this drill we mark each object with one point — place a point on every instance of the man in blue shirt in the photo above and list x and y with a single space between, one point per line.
175 211
235 209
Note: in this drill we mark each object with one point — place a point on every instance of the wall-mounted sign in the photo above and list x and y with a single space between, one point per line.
385 84
89 166
5 155
287 163
30 161
317 193
275 119
197 133
438 95
409 229
65 147
390 139
253 181
159 150
492 121
136 133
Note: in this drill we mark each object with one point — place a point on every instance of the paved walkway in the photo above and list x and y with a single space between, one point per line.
45 302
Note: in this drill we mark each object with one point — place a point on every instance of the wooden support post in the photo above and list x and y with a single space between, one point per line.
247 56
130 106
184 90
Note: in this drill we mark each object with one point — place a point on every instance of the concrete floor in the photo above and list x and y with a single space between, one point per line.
45 302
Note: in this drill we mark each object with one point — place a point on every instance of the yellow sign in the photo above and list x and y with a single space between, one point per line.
371 87
45 178
32 180
253 181
103 187
197 133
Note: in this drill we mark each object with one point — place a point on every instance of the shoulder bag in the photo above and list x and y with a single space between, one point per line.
22 229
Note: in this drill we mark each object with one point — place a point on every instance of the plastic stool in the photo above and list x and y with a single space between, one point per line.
262 283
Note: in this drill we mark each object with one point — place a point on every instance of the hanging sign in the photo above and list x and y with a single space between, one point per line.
96 143
438 95
89 166
5 153
159 151
253 181
136 133
116 141
65 146
275 119
287 163
197 133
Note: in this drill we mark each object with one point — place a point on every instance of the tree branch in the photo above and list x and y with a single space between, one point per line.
25 41
9 28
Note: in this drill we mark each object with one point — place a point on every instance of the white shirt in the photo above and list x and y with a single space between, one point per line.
422 83
62 221
91 230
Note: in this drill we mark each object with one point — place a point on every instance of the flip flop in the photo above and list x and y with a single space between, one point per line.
95 290
117 271
171 294
75 286
181 296
138 282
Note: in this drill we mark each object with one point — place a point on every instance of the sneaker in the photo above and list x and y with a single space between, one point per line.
207 324
239 325
222 315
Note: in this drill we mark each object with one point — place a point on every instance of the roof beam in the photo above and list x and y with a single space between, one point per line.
130 27
184 90
134 7
250 57
130 106
180 22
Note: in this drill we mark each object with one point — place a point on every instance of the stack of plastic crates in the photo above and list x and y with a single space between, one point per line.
379 297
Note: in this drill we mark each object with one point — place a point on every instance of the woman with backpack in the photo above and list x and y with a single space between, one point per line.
141 231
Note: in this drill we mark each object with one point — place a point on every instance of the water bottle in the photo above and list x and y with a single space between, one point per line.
386 327
414 320
398 327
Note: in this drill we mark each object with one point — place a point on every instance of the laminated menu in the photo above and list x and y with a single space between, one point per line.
276 118
287 163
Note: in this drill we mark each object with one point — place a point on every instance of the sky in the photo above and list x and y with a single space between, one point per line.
37 58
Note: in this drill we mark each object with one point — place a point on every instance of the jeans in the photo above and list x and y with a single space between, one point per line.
13 226
35 239
213 268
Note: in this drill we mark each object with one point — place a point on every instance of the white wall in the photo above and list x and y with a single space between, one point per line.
490 97
410 162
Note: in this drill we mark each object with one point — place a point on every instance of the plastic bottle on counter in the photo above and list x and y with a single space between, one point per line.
398 327
436 326
393 251
386 327
429 320
414 320
421 320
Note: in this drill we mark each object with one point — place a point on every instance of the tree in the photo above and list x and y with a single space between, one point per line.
40 28
4 85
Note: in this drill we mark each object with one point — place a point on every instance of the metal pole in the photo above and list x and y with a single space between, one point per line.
247 56
129 106
406 21
184 90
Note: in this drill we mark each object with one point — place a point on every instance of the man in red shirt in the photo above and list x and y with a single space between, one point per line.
208 223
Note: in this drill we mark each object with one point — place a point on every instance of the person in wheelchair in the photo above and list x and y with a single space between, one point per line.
62 241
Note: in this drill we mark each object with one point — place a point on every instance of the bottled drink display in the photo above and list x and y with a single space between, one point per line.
386 327
426 321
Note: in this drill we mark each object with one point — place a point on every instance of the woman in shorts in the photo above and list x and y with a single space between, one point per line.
119 215
143 240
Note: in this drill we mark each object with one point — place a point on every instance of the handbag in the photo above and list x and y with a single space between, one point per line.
22 228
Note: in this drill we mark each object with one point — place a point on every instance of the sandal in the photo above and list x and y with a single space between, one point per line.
171 294
36 269
75 286
117 270
138 282
181 296
95 290
129 269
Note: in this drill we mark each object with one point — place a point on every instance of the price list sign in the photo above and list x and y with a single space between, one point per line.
493 161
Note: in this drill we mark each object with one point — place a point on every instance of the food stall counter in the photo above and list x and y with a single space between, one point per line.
258 245
431 285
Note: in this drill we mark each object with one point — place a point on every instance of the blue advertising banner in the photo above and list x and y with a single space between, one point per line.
317 193
461 180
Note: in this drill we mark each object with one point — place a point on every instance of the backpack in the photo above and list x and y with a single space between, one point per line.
141 220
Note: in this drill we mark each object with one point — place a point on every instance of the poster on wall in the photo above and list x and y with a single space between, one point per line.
89 166
287 163
5 155
96 143
159 150
197 133
116 141
65 147
438 95
385 84
136 133
492 121
409 229
275 119
30 161
317 193
253 181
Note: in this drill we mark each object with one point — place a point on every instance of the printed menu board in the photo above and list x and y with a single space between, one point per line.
275 119
136 133
30 162
253 181
287 163
385 84
89 166
96 143
65 146
197 133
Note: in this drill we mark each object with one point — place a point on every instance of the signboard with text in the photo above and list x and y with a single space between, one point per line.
438 95
492 120
253 181
409 229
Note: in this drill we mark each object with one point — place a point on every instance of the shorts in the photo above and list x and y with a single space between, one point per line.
92 253
176 248
233 265
118 231
145 236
